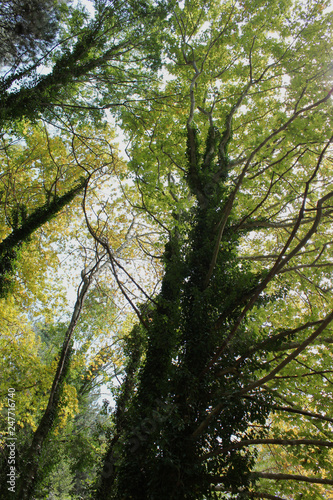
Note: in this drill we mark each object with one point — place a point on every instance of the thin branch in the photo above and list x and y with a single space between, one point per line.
294 345
303 412
280 442
292 477
266 342
291 356
231 199
263 494
104 243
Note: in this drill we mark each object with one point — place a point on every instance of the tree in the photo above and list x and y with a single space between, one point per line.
26 29
246 287
107 54
37 170
31 465
36 173
226 388
88 52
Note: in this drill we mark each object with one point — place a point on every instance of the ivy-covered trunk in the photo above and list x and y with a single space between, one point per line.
171 422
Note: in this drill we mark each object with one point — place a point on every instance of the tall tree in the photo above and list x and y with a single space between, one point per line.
227 386
30 468
239 158
27 28
109 53
105 56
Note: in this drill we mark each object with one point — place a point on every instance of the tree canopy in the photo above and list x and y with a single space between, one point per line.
203 260
27 28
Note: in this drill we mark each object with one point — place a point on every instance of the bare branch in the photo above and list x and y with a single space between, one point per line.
280 442
292 477
104 243
303 412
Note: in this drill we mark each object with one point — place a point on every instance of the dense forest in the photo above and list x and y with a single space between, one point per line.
166 210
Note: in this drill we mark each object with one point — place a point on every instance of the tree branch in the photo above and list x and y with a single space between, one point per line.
291 356
230 202
281 442
292 477
303 412
11 244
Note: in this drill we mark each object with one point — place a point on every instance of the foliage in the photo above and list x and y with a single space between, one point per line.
27 29
216 234
240 92
103 53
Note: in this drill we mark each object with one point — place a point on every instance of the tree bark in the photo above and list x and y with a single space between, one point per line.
28 475
282 442
293 477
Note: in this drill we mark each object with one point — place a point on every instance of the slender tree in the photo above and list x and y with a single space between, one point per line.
29 471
